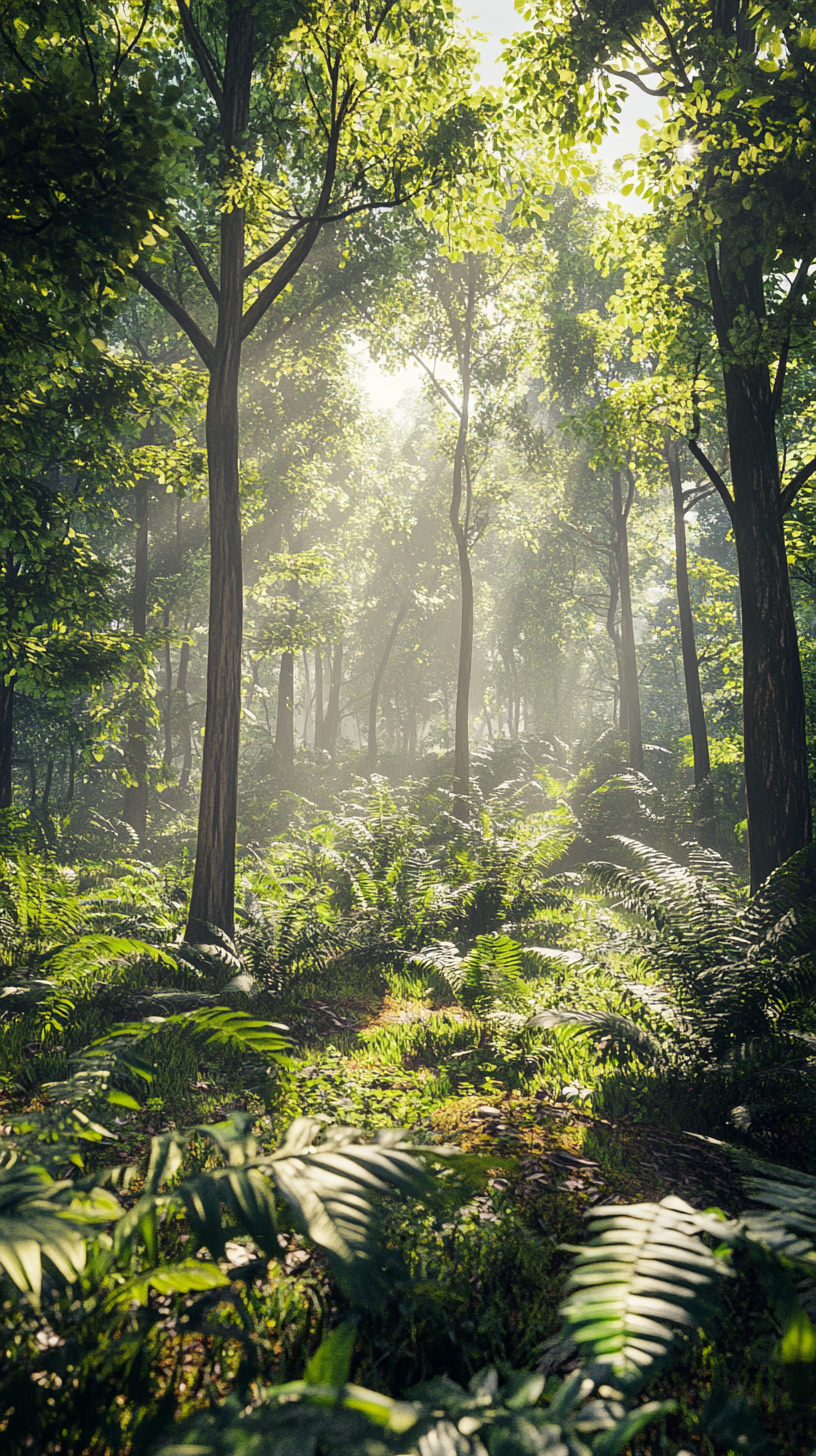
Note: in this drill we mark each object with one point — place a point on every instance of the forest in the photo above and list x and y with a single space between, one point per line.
407 728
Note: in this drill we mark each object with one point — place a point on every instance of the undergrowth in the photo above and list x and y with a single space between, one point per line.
506 984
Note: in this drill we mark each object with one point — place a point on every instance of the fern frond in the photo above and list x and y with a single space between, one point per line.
625 1034
645 1275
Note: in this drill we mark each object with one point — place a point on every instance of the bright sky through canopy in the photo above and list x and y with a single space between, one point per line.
497 20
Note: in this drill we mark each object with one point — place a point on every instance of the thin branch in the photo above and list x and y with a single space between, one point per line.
437 384
636 81
204 60
630 494
137 37
796 289
672 44
694 497
276 248
714 476
593 541
794 486
196 335
201 267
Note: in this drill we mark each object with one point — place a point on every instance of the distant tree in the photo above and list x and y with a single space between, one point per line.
731 163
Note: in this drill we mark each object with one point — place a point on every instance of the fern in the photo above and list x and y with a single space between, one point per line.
736 999
41 1219
645 1274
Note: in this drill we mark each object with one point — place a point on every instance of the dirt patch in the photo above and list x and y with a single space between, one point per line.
398 1012
595 1161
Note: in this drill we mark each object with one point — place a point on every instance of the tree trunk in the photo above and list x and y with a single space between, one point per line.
285 721
168 707
307 698
181 693
212 901
371 757
461 470
318 701
69 796
134 808
776 766
331 726
691 671
46 794
6 740
630 690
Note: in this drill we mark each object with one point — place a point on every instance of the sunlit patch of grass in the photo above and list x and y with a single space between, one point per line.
427 1042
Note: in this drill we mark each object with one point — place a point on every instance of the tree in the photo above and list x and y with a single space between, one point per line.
732 164
462 313
372 107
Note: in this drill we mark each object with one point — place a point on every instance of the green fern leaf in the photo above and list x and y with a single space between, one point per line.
645 1274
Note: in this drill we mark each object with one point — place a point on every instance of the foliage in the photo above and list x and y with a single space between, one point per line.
729 1017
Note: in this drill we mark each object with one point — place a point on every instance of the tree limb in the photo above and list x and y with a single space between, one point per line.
437 384
795 290
636 81
196 335
200 265
794 486
714 476
204 60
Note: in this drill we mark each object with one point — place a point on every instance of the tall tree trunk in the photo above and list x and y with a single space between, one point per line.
307 698
318 701
168 705
6 740
134 808
371 756
181 693
212 901
691 671
46 794
331 726
285 721
776 764
630 689
69 795
460 528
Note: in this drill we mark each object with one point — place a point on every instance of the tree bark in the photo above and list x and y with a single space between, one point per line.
6 740
307 697
168 706
371 754
776 766
181 692
285 721
212 901
46 794
461 472
691 671
318 700
630 689
331 725
134 808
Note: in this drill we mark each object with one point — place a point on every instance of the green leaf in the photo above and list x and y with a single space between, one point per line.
331 1362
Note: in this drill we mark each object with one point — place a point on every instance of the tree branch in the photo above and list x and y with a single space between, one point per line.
204 60
636 81
794 486
796 288
201 267
275 248
196 335
437 384
714 476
